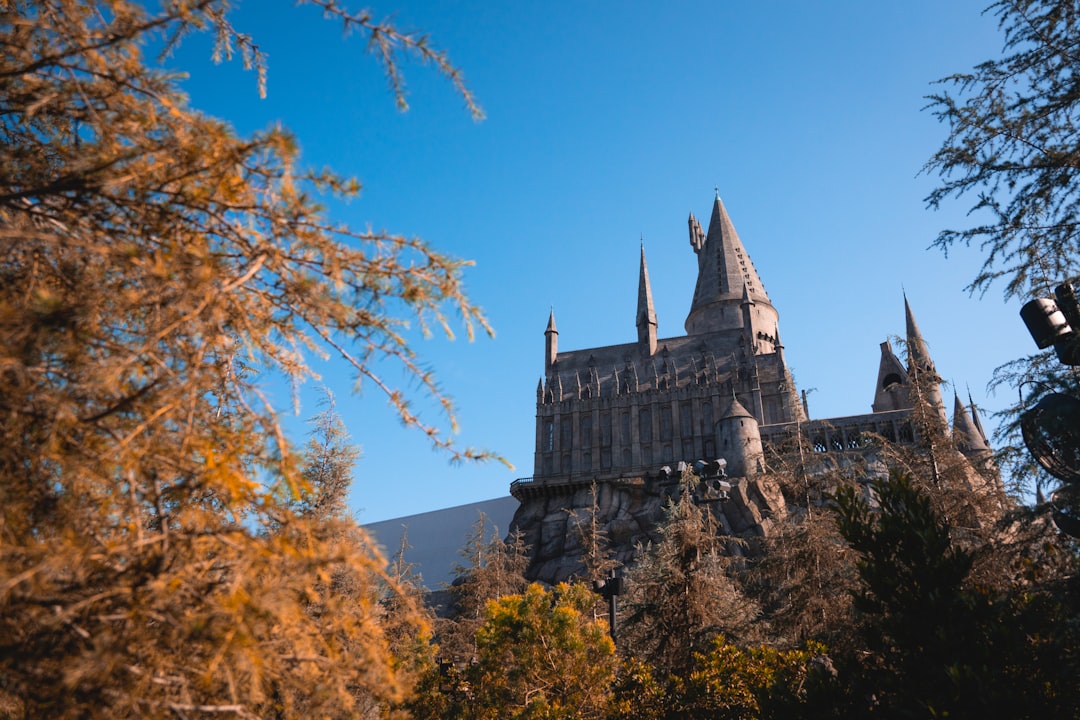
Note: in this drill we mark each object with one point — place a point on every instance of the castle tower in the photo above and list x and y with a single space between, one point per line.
920 364
724 269
646 313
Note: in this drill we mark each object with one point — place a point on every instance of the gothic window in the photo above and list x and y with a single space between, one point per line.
586 431
667 454
646 454
626 459
566 432
605 459
709 447
706 419
564 468
624 429
665 422
547 465
605 430
645 422
686 422
549 435
687 449
586 462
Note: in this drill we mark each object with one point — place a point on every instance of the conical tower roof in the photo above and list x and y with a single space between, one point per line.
724 266
918 353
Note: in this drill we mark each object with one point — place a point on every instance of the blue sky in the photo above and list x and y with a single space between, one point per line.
608 122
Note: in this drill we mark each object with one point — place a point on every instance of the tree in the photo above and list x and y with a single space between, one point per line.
495 568
1012 149
681 593
539 656
154 268
939 644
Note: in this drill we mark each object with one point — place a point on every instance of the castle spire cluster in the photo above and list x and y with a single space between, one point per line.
618 420
626 408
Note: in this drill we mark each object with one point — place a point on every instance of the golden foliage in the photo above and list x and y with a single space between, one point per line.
153 267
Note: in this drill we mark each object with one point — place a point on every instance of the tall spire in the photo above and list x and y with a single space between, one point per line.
551 343
724 268
920 364
646 313
975 419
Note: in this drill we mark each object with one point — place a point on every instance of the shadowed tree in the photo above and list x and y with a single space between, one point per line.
682 593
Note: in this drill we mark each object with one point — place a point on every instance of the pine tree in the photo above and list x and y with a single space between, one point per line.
493 569
682 593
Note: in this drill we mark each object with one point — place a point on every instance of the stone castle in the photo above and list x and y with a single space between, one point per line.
613 423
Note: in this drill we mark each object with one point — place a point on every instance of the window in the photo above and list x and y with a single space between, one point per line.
624 429
549 435
586 431
665 422
686 424
645 425
566 432
605 430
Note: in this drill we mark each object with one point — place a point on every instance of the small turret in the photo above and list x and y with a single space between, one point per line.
646 313
551 343
738 440
697 235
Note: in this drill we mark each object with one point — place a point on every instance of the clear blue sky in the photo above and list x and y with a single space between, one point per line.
609 122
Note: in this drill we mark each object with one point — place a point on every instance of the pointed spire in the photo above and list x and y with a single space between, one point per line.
646 313
968 438
918 353
551 343
920 363
724 268
975 419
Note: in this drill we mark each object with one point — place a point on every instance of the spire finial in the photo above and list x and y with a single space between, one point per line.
716 188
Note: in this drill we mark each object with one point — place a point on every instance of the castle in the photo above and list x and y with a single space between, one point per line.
612 422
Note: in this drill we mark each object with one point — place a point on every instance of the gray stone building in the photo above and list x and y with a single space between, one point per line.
612 423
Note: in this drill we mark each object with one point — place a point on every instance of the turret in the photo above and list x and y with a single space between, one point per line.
551 343
724 269
646 313
891 391
738 440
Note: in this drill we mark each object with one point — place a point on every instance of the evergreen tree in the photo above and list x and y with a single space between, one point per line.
681 593
495 568
940 645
